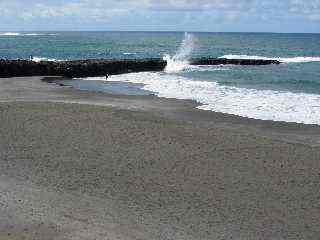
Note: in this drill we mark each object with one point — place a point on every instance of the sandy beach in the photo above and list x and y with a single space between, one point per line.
83 165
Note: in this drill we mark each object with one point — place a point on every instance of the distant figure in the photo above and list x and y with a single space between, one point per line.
31 57
107 76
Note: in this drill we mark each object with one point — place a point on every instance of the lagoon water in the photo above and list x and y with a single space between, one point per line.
287 92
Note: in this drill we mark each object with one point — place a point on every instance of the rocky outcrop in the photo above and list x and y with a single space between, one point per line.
79 68
225 61
102 67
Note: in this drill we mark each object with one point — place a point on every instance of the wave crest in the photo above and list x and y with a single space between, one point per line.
283 60
26 34
39 59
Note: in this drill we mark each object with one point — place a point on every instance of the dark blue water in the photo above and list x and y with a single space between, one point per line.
83 45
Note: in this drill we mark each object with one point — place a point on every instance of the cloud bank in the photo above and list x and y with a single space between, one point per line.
211 15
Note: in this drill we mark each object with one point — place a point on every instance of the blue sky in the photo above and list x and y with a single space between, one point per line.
165 15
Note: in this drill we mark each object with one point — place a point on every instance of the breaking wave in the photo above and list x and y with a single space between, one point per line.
27 34
9 34
128 53
251 103
39 59
283 60
180 61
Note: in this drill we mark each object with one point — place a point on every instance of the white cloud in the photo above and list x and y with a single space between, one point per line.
308 9
102 10
189 5
58 8
158 12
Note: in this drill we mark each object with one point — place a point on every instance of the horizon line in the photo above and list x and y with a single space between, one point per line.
155 31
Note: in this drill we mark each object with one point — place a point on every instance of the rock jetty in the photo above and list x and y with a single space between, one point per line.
225 61
103 67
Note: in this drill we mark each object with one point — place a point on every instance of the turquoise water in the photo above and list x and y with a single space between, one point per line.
82 45
285 92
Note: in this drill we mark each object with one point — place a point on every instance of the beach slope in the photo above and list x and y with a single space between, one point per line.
148 168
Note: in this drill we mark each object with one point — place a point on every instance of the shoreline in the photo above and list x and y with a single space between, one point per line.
45 89
186 110
84 165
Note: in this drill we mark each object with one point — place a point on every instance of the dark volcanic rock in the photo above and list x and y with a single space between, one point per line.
102 67
225 61
79 68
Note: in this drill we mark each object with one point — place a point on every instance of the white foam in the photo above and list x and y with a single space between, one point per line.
96 78
283 60
39 59
205 68
180 61
300 59
35 34
257 104
128 53
26 34
9 34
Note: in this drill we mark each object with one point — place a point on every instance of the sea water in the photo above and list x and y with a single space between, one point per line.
287 92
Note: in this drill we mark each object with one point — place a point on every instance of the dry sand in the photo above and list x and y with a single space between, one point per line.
149 168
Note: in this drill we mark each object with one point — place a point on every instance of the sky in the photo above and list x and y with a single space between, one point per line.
161 15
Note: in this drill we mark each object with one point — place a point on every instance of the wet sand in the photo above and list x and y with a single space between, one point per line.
127 167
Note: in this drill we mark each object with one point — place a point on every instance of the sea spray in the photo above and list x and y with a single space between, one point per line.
180 60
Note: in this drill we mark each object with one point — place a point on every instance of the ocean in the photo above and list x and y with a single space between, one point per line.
287 92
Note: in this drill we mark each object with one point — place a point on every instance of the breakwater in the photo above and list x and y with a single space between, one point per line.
226 61
101 67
